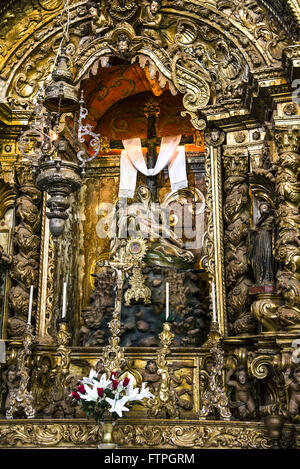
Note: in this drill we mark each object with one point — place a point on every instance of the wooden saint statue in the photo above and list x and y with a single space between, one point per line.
261 255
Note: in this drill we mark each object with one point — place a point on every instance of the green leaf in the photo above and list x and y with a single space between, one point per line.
137 403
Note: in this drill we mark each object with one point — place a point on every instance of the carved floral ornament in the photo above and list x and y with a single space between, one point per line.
206 54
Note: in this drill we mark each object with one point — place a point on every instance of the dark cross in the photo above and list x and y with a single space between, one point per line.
151 111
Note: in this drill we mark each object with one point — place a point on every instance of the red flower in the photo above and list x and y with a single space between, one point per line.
100 392
75 395
125 382
113 375
81 389
115 384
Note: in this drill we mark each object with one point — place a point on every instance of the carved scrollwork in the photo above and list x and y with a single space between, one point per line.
190 436
260 366
264 309
195 97
50 435
215 396
262 183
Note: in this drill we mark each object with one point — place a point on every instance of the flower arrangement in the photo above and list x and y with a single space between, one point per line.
108 394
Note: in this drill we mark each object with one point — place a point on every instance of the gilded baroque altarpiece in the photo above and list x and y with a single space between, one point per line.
225 75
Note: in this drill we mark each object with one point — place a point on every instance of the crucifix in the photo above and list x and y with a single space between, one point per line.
151 111
113 355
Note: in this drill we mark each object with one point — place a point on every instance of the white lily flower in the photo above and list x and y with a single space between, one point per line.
91 394
105 382
133 394
118 406
90 380
145 392
121 394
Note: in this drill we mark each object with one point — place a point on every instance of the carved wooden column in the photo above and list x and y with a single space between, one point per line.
24 269
214 237
236 216
288 221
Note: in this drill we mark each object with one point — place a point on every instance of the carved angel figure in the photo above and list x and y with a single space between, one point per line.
11 382
243 398
293 386
123 42
100 17
151 20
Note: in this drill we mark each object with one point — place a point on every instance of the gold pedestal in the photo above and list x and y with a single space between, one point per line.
265 307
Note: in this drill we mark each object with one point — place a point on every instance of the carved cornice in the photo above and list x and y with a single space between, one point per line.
291 60
233 115
15 117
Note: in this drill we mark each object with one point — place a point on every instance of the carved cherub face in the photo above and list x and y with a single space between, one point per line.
123 43
11 376
241 377
215 135
151 367
154 7
89 318
297 376
93 11
23 238
27 210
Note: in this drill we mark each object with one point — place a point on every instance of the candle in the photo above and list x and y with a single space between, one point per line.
213 294
167 300
64 304
30 304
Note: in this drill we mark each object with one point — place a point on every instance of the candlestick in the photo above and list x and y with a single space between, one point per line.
167 300
213 293
30 304
64 304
